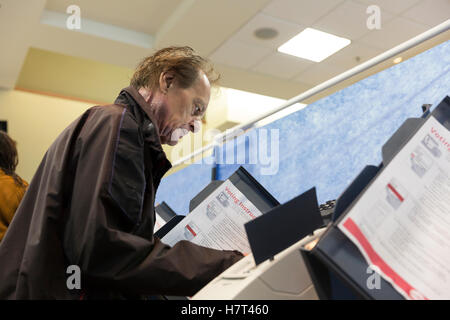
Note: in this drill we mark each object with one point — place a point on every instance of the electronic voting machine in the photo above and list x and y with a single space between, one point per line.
275 268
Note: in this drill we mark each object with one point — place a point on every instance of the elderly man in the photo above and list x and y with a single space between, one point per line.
91 201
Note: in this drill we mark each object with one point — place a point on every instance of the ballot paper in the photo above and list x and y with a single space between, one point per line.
401 224
217 222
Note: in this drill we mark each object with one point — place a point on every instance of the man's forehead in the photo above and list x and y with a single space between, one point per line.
203 90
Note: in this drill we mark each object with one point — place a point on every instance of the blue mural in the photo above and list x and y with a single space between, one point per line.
328 143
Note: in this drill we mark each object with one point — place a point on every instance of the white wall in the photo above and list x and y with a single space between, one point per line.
34 122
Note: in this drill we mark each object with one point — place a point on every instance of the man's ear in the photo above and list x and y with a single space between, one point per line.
166 80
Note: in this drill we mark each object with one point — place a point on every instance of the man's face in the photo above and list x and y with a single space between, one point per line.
181 109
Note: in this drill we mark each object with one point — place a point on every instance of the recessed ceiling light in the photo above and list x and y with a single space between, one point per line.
265 33
398 60
313 45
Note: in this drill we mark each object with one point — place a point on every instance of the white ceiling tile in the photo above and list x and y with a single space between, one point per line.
319 73
139 15
346 58
237 54
392 6
348 20
286 30
304 12
282 65
429 12
393 33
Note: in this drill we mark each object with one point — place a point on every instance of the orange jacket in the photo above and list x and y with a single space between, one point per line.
10 196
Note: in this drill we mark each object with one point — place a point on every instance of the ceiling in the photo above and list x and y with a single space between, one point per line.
122 32
145 16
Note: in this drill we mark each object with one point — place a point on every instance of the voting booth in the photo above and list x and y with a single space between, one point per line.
274 238
389 238
325 146
299 263
349 248
271 237
275 268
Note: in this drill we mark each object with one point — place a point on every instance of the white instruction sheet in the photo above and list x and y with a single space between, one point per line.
218 222
401 224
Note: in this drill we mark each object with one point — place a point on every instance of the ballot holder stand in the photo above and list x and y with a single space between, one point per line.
336 266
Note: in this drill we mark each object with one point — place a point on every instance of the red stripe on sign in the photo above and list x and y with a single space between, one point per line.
395 192
375 259
190 230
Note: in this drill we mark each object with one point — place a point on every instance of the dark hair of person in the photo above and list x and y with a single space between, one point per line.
8 157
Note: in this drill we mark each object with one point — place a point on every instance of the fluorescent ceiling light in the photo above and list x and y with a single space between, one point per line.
313 45
246 106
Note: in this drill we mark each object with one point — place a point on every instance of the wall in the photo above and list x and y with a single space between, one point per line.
34 122
69 76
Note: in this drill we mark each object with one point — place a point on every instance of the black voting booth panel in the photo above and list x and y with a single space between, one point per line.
283 226
168 215
246 184
336 265
164 211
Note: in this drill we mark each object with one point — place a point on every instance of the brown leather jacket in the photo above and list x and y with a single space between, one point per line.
91 204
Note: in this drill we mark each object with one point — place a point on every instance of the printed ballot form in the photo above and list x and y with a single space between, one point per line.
401 223
218 222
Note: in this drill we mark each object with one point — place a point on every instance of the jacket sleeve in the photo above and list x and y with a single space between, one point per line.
97 234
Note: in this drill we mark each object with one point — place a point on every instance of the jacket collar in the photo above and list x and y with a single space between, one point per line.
143 104
130 97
